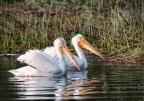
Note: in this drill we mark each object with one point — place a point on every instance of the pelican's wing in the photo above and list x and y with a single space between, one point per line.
51 52
40 60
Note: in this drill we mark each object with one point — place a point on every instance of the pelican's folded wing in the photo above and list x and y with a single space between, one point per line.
40 60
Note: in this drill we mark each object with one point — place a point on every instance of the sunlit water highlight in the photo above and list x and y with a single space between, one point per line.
101 81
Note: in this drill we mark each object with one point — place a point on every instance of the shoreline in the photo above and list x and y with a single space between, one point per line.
108 59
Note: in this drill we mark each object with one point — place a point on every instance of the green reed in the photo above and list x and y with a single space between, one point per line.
110 27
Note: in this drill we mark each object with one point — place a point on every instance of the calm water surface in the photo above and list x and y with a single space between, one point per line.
102 81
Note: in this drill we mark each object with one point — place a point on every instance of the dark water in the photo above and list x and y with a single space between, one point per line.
102 81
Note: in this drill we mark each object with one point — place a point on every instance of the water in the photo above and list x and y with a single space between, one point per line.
102 81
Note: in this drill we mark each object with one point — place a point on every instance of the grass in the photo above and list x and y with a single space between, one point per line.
114 27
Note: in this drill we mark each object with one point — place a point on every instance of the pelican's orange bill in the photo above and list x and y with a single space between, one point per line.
86 45
66 51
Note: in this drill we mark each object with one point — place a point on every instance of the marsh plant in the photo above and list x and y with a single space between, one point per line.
115 27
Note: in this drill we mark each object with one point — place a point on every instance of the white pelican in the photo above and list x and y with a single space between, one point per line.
41 64
78 42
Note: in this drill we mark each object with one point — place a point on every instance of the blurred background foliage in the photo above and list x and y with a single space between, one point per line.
115 27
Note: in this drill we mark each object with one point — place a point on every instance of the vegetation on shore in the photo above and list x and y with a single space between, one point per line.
114 27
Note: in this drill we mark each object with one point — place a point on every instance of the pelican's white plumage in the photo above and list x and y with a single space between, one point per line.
52 52
41 64
78 42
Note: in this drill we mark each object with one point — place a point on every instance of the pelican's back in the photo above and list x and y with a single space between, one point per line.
52 52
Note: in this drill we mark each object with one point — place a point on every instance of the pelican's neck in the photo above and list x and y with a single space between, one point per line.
81 55
62 61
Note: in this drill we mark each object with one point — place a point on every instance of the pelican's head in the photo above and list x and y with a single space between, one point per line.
61 44
82 43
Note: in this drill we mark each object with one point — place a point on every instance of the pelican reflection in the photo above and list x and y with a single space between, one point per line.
70 87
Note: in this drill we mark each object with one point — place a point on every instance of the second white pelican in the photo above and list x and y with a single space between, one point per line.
78 42
41 64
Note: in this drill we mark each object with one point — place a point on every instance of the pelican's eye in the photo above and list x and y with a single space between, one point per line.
61 49
63 44
82 39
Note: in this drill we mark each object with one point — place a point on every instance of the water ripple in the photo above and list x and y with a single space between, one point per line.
99 82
